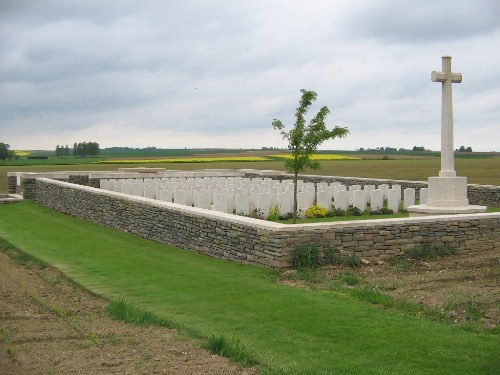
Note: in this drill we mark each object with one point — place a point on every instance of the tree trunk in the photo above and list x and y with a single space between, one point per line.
295 178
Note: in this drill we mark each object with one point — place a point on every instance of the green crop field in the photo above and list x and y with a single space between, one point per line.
285 329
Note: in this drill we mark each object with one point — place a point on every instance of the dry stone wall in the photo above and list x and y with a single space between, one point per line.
256 241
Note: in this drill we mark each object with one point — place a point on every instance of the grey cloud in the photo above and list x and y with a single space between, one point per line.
423 20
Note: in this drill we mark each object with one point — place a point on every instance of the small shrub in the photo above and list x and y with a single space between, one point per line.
306 256
274 210
339 212
382 211
286 216
352 261
330 213
257 214
431 251
316 211
332 256
354 211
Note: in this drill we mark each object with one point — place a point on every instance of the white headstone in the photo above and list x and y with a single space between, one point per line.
423 195
324 199
359 199
393 200
368 189
409 197
342 200
376 199
242 205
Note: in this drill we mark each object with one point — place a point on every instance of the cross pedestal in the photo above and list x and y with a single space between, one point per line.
447 193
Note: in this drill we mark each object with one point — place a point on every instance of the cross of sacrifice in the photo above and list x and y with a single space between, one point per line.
446 77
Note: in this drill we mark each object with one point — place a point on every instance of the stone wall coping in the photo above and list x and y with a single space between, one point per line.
394 221
382 180
270 225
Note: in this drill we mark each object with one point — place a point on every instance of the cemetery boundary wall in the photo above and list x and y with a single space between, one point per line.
481 195
256 241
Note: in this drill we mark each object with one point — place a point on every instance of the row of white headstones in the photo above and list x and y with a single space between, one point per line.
260 196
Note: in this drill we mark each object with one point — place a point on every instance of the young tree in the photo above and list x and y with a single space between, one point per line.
304 139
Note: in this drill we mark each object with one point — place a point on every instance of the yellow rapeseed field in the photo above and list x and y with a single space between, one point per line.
185 160
319 157
21 153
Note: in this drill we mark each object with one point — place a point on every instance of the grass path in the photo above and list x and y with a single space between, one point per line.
288 330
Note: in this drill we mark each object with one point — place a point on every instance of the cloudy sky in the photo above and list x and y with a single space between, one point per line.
214 73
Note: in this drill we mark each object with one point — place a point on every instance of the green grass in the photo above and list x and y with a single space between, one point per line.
286 330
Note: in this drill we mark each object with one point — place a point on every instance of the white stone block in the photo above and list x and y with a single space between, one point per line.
324 199
368 189
166 196
150 192
138 189
180 197
262 205
220 203
385 190
424 193
342 200
359 199
408 197
376 199
242 205
285 202
204 200
397 187
393 200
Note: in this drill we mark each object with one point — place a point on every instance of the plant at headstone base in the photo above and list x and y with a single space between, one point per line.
330 213
286 216
316 211
274 213
354 211
306 256
339 212
257 214
382 211
303 139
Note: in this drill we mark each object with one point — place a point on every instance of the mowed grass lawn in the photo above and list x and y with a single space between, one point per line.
288 330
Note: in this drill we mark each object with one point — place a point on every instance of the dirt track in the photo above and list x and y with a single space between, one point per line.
50 326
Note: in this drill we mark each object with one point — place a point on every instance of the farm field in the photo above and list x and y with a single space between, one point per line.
287 330
478 170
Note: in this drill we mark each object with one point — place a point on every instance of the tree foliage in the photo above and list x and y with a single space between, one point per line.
304 138
5 152
84 149
62 151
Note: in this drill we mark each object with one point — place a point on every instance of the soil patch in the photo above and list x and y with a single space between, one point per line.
465 288
49 325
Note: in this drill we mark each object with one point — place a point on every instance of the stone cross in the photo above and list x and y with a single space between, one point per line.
446 77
